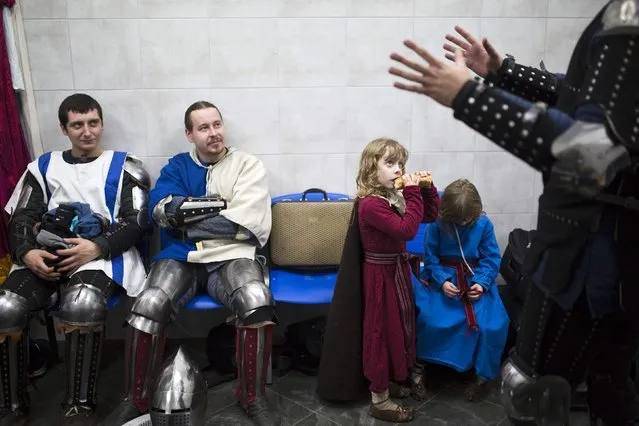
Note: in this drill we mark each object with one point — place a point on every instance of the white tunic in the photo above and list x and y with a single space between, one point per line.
97 183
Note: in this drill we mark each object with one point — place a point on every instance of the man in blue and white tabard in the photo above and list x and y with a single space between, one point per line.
213 206
76 217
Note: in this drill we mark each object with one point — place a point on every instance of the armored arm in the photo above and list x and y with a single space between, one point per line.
586 152
196 218
533 84
522 128
133 218
29 210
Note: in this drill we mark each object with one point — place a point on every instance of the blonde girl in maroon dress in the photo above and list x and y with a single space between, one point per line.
388 218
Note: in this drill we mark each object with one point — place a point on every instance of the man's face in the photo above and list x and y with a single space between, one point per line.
84 131
207 133
387 171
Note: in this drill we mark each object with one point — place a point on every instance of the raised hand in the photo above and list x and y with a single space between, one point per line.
435 78
480 55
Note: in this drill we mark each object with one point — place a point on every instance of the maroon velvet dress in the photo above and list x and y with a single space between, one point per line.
389 308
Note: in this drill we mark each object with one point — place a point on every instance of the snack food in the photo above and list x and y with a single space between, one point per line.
424 181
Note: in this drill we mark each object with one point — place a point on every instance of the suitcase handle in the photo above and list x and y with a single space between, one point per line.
316 190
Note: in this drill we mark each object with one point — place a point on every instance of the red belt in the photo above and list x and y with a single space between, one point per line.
462 273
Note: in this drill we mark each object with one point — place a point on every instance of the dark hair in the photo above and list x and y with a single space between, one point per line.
78 103
188 123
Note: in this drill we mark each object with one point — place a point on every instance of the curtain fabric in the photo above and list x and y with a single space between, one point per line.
15 155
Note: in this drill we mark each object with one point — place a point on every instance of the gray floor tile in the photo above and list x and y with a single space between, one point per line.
293 394
451 400
299 387
352 414
234 415
315 419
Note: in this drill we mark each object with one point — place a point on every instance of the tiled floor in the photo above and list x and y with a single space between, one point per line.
294 394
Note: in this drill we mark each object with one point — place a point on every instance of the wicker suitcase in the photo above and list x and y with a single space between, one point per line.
309 228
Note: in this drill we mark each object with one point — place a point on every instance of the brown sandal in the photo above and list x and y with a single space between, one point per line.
401 414
396 390
418 391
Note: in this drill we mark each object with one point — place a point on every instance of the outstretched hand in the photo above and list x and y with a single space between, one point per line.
436 79
480 55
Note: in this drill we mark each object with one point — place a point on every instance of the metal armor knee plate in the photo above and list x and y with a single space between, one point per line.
179 393
170 285
82 305
14 341
545 401
14 312
252 303
250 298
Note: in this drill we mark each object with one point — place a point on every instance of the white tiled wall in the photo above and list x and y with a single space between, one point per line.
301 83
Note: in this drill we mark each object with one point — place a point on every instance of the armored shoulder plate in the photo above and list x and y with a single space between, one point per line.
134 167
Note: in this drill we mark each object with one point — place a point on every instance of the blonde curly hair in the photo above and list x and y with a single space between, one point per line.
367 181
461 203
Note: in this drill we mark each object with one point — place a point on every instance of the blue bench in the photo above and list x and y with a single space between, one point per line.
298 286
295 286
316 287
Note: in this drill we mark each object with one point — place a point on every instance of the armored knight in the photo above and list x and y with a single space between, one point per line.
581 131
76 217
213 207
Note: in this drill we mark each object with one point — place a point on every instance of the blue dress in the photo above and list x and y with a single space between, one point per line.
443 332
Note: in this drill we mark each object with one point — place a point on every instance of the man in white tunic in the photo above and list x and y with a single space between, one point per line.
214 210
76 216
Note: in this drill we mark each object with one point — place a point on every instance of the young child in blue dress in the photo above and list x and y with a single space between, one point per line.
462 322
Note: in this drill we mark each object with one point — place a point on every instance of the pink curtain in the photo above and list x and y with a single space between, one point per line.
14 153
